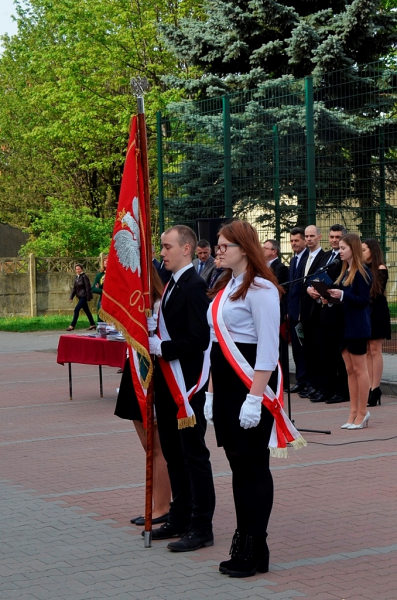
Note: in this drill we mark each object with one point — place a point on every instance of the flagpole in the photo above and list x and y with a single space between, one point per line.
150 412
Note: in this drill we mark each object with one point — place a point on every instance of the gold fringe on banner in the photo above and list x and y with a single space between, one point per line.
133 343
283 452
187 422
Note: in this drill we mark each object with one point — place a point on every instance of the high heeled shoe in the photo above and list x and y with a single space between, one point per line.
374 397
361 425
346 425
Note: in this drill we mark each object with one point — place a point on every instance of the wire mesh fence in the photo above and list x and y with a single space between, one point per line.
291 152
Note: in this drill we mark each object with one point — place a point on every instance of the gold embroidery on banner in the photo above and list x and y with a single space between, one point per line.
138 296
126 312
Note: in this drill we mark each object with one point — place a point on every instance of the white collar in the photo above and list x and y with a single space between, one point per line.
178 274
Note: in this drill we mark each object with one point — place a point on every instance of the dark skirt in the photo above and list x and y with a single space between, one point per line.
354 345
380 319
127 406
229 395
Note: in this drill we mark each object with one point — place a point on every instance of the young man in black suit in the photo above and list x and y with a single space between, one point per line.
298 245
184 308
310 312
334 388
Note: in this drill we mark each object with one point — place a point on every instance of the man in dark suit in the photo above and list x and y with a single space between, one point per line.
298 245
204 264
184 308
310 309
334 387
271 251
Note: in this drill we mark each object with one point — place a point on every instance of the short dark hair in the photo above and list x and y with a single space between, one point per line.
298 231
203 244
186 235
275 245
338 227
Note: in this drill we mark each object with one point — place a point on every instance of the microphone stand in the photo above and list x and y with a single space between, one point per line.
290 284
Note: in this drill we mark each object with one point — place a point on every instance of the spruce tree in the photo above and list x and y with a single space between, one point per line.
267 47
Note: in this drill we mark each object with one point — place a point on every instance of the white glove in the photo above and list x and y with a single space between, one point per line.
155 345
152 322
209 397
250 413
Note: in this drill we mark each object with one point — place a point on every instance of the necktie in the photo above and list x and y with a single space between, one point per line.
294 266
332 257
169 290
308 263
200 267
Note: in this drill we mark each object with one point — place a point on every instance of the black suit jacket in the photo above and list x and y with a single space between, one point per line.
295 290
330 315
185 315
308 305
281 272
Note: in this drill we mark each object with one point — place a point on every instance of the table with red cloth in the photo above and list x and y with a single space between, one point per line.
90 350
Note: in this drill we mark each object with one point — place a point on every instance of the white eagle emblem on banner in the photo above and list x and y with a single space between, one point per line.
127 241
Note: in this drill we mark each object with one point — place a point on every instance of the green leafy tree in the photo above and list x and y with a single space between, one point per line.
268 47
67 102
67 231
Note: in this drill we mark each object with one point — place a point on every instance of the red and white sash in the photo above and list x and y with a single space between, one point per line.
173 375
283 430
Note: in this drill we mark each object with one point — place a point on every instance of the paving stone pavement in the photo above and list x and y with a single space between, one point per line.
71 477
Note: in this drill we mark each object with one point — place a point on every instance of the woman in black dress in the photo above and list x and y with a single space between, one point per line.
127 407
354 292
380 317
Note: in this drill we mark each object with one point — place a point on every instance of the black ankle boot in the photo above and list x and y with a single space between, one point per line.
375 397
253 557
236 549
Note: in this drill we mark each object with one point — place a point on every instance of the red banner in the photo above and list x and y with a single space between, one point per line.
125 297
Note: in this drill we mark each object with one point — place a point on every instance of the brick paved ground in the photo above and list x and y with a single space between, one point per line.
72 476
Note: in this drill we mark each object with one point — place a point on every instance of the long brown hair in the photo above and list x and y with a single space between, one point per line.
354 243
243 234
377 260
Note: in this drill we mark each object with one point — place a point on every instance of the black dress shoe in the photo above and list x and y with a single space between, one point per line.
166 532
192 541
335 399
135 519
163 519
298 387
319 397
314 393
306 391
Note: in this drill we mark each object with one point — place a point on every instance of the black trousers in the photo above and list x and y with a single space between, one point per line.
246 449
334 376
82 304
298 353
188 461
313 353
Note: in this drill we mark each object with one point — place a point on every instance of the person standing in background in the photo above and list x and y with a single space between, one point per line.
204 264
354 292
97 286
298 245
380 317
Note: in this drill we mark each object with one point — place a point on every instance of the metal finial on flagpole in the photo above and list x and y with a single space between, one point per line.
139 86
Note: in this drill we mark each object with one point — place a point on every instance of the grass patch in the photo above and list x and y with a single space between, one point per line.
44 323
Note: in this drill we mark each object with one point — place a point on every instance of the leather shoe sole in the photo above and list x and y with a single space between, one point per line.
296 388
191 542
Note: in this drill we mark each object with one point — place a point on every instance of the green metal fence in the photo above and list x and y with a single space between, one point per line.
291 152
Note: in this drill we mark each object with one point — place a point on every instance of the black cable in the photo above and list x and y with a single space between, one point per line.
356 441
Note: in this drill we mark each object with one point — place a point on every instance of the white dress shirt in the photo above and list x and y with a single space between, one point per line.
254 320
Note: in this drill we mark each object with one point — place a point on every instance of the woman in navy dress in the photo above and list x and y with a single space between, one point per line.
380 317
354 292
